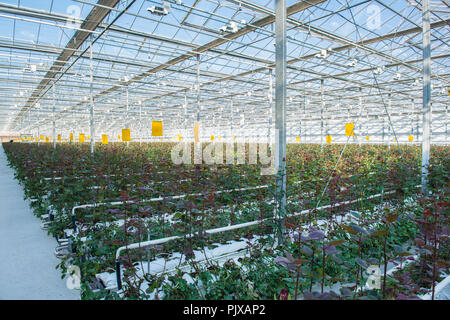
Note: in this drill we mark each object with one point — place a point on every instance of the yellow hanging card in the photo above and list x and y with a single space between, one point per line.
349 128
81 137
104 139
157 128
126 135
329 139
196 137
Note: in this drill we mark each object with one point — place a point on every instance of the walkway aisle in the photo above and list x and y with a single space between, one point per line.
27 262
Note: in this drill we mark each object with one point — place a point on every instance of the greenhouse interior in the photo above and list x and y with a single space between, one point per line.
224 150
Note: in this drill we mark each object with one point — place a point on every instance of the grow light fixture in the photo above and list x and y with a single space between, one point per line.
379 70
160 11
30 68
353 63
324 54
398 76
231 28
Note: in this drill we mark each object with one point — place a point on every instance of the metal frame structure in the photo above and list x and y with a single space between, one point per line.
211 61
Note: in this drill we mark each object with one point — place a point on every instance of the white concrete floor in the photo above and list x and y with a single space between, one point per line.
27 262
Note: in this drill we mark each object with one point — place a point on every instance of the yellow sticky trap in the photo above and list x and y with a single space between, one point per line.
126 135
104 139
59 138
41 137
47 139
118 137
71 137
212 138
367 138
297 139
157 128
89 137
179 136
234 138
81 137
329 139
411 138
349 127
197 125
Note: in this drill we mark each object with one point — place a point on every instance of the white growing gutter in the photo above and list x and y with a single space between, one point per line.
145 244
116 203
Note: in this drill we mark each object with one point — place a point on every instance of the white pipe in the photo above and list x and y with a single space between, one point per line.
240 226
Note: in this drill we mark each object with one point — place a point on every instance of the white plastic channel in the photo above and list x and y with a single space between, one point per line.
145 244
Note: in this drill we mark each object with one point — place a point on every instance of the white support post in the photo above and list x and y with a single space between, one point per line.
426 93
321 113
269 140
91 93
389 124
39 127
54 120
232 122
140 123
359 135
280 112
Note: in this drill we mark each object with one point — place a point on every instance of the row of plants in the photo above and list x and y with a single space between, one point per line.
327 250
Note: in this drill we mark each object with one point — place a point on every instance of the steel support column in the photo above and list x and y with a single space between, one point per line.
53 115
426 93
91 93
280 111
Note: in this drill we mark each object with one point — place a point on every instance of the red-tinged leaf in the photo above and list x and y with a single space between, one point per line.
300 261
404 254
427 213
316 235
331 250
348 228
290 226
336 242
391 218
282 260
379 233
